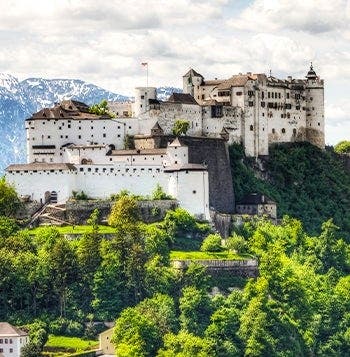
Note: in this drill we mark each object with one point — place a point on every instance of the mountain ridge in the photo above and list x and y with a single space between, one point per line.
20 99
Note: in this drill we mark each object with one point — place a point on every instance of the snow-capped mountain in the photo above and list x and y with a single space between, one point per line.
20 99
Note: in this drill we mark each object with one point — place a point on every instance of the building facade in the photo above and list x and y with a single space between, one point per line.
70 149
12 340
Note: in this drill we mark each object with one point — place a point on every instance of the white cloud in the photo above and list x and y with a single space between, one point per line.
314 16
105 42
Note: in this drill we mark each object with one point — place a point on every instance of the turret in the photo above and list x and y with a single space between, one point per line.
142 96
191 80
314 108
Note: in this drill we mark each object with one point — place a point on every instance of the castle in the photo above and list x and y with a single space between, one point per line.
70 149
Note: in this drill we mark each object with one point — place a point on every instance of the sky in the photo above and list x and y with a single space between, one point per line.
105 42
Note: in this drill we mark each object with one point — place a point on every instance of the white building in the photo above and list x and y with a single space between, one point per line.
260 110
12 340
70 149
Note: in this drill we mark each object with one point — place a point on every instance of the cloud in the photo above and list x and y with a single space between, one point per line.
312 16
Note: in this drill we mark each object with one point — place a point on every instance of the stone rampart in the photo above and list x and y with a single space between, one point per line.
243 268
78 211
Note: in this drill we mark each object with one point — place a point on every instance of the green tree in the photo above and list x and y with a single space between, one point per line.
212 243
101 108
8 227
343 147
63 262
139 330
237 243
181 127
195 310
9 201
124 214
186 344
159 194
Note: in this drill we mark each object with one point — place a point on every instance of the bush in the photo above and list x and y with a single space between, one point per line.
159 194
63 326
179 222
237 243
212 243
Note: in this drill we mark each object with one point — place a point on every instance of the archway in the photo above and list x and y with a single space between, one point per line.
53 197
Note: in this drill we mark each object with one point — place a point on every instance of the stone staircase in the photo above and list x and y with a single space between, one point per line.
51 214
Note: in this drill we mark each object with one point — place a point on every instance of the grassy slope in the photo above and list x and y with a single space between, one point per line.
306 182
69 344
76 230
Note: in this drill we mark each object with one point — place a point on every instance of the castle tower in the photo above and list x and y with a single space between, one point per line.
191 81
314 103
142 96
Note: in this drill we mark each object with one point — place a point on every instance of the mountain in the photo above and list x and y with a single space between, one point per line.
20 99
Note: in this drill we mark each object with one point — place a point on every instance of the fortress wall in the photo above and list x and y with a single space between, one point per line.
214 153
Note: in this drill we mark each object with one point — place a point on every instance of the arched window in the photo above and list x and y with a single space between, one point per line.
294 131
251 128
283 131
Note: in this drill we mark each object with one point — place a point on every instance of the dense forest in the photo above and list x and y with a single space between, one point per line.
299 305
307 183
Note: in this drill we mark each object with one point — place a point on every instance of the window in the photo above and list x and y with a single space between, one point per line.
1 350
216 111
279 95
251 104
294 131
283 131
262 95
297 107
263 104
297 96
1 340
288 95
288 106
268 94
104 135
11 350
251 128
273 131
250 93
49 137
238 93
79 136
142 97
194 192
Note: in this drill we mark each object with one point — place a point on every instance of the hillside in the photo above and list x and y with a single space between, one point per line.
306 182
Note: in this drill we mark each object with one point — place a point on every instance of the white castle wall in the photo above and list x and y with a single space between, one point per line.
191 190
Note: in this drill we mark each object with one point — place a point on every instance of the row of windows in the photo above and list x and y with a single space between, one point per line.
6 340
2 350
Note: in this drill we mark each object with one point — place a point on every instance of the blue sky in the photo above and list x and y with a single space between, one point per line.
104 42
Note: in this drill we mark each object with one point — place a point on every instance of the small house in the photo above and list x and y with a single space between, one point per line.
12 339
257 204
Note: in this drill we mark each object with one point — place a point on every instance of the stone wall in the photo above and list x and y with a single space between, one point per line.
213 152
77 212
242 268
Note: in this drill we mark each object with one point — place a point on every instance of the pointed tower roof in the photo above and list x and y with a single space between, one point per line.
311 74
192 73
176 143
156 126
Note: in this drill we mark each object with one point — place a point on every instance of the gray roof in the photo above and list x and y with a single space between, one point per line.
191 73
255 199
183 98
160 151
40 166
8 330
176 143
185 167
